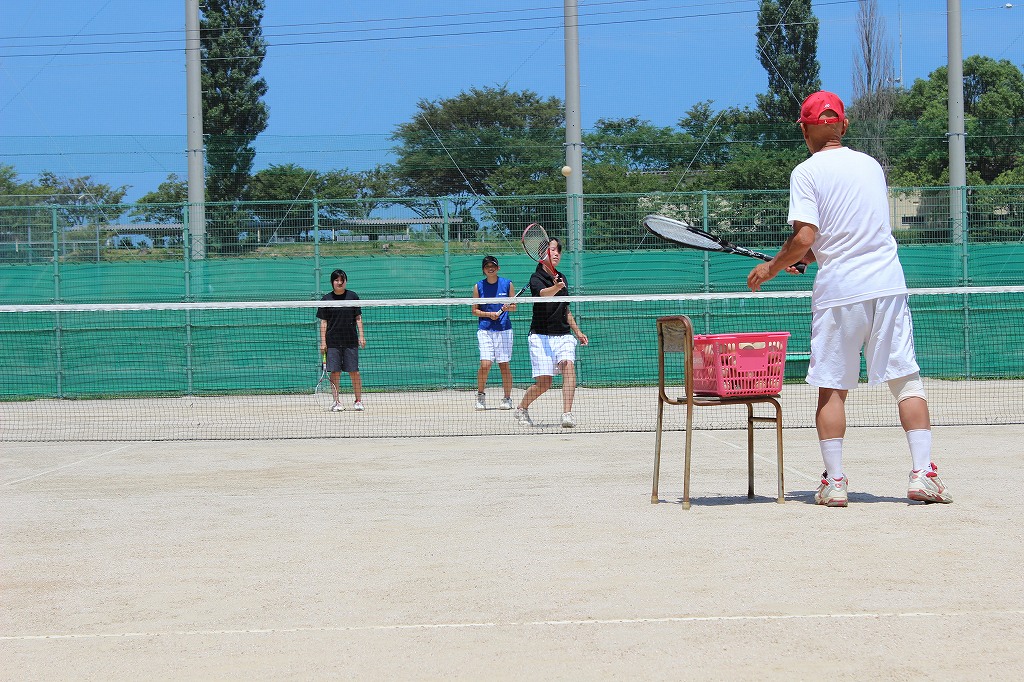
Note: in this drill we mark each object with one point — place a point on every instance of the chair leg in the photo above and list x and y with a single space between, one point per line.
657 453
778 447
750 451
686 461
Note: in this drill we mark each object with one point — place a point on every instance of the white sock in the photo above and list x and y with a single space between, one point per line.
832 454
920 442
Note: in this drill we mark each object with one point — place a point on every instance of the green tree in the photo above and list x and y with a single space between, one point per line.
284 197
164 205
233 49
474 144
82 201
787 47
18 218
13 192
994 121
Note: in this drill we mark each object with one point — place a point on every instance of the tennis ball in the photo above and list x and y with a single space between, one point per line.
566 171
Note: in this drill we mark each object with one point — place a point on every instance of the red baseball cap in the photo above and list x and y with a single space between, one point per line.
818 103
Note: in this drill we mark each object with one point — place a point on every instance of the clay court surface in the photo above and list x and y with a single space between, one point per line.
507 557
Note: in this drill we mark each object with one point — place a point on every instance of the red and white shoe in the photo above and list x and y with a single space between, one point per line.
925 486
832 493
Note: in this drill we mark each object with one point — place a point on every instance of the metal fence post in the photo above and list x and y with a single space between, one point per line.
57 340
965 280
448 341
316 248
187 264
707 263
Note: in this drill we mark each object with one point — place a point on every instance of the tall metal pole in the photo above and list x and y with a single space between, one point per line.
573 132
956 135
194 107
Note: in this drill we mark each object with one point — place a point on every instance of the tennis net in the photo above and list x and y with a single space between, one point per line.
216 370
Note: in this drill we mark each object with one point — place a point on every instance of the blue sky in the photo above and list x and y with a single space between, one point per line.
97 88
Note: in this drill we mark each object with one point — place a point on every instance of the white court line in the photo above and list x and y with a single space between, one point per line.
71 464
510 624
768 460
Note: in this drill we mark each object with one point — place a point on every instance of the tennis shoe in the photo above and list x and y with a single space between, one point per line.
358 406
480 401
832 493
522 416
925 486
336 407
505 404
568 421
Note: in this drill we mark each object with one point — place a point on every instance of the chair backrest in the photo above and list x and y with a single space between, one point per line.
675 335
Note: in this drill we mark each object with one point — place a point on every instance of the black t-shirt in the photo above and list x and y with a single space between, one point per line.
341 322
551 319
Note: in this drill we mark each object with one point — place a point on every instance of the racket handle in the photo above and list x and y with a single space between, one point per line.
800 267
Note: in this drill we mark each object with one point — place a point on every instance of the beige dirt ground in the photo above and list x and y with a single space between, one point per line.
506 557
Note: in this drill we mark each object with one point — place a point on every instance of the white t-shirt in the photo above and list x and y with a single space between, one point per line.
843 193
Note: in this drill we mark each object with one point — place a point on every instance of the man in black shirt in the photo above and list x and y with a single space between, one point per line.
552 345
341 337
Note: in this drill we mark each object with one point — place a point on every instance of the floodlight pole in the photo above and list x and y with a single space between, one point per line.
194 108
956 134
573 130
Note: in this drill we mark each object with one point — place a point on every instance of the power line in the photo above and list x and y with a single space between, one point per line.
457 16
446 34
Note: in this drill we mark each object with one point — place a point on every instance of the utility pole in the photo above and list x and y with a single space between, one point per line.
194 109
956 134
573 169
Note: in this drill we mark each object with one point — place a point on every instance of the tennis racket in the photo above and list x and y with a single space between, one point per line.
535 242
687 235
323 393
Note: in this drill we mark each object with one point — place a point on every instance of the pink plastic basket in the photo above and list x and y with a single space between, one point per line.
733 365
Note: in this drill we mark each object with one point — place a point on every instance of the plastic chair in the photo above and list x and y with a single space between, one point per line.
675 335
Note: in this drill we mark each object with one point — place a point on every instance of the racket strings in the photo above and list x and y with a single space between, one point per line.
681 233
535 242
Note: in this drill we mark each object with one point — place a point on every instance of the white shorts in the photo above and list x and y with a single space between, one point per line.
548 352
881 327
495 346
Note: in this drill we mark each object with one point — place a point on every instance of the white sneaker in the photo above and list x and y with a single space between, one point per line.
358 406
505 404
832 493
336 407
568 421
523 417
925 486
480 401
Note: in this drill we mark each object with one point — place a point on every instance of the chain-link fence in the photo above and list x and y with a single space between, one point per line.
431 247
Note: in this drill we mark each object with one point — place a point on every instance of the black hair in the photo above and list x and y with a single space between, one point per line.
338 274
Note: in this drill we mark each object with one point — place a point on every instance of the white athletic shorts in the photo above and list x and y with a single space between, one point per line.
495 346
881 327
547 352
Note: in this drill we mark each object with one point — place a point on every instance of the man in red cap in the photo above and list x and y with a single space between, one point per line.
839 210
